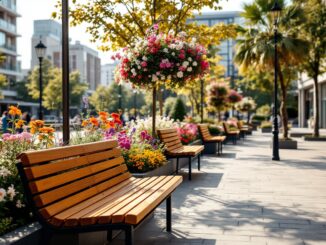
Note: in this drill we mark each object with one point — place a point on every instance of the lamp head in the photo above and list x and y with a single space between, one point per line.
276 12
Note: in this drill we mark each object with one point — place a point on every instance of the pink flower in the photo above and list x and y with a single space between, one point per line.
25 136
182 56
144 64
182 68
204 65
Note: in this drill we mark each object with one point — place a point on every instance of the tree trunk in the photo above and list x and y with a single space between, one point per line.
154 112
160 94
316 107
219 115
283 111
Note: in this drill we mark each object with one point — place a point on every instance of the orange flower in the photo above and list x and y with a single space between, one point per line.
94 121
115 115
14 111
19 123
103 114
36 124
84 123
46 130
109 124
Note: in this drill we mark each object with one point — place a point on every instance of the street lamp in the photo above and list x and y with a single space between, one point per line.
201 100
275 13
120 96
40 49
135 102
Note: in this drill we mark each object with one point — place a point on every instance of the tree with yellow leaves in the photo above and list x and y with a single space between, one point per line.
119 23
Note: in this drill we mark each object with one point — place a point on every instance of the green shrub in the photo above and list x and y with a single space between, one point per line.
179 110
264 110
214 130
168 106
266 124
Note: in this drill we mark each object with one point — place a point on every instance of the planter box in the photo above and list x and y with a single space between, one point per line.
298 135
266 130
210 148
310 138
169 168
166 169
288 144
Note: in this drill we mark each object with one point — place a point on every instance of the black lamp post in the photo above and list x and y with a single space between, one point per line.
40 49
135 103
275 13
201 100
120 96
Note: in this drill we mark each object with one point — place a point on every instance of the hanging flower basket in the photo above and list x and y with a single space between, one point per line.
161 58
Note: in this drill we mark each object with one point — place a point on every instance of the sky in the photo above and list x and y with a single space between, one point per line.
31 10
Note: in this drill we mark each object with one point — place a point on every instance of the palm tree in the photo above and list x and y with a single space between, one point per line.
255 49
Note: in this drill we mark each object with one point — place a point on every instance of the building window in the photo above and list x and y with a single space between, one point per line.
74 63
2 39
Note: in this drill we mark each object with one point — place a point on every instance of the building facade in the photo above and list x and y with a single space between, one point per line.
9 66
306 101
226 49
107 74
81 58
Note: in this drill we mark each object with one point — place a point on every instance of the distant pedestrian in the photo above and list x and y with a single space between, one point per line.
26 117
4 122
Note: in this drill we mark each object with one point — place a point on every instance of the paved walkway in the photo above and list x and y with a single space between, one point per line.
245 198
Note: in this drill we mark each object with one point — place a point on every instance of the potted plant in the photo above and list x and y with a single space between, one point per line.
266 127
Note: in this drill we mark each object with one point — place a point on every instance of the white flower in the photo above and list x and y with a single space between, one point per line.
165 50
139 67
189 69
173 54
185 63
190 59
11 192
162 77
137 62
2 194
180 74
19 204
169 77
4 172
144 58
154 78
194 63
178 64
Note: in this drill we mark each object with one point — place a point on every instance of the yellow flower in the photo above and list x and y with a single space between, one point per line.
19 123
14 111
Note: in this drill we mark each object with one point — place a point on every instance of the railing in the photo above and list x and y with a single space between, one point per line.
9 47
8 4
8 26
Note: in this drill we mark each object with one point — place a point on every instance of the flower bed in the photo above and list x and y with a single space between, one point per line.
142 152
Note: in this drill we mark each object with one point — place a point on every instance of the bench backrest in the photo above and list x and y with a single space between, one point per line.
226 127
239 124
58 178
204 131
170 138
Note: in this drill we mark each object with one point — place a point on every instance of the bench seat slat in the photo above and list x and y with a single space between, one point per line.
135 215
105 215
119 216
68 216
36 157
61 179
90 215
187 150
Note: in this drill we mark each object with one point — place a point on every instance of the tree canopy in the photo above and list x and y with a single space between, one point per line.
118 23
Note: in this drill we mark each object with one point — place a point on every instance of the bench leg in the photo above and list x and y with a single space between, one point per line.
129 230
168 215
46 236
198 162
177 171
189 174
109 235
221 148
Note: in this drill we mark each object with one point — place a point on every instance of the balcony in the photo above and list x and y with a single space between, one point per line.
9 6
8 49
8 69
8 27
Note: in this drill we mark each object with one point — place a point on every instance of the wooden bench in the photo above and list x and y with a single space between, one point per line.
175 149
244 130
230 134
88 187
210 141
